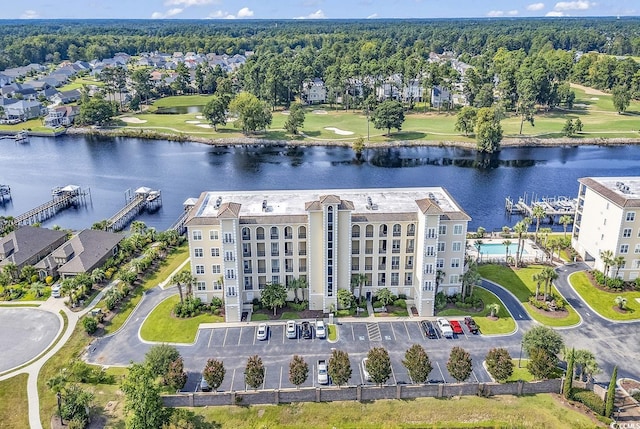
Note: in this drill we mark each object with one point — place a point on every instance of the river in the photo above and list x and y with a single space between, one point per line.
110 166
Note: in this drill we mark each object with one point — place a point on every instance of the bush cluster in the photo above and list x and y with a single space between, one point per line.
590 399
189 307
553 301
614 284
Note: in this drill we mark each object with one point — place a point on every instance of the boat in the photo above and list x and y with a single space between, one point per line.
22 137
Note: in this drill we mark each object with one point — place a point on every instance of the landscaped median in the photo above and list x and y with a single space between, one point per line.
162 326
520 283
504 324
603 302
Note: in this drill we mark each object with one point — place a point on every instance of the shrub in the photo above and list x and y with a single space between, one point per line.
190 307
542 305
216 303
400 303
49 280
378 304
402 296
300 306
590 399
90 325
441 301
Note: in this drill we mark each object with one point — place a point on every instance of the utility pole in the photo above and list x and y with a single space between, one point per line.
368 122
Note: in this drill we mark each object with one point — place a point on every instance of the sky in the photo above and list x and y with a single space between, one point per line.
310 9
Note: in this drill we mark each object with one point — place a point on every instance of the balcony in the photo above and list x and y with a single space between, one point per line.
303 268
262 270
382 266
275 253
288 252
355 251
274 236
409 250
288 236
229 258
369 234
368 267
383 250
397 233
381 282
368 251
260 253
355 267
248 271
302 252
259 236
275 269
355 235
246 237
246 254
395 267
289 269
408 267
395 250
302 235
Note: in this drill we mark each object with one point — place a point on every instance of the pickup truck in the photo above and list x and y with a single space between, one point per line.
323 375
471 325
456 327
445 327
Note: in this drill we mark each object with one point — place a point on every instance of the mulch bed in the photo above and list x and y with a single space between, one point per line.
304 314
558 314
619 310
605 289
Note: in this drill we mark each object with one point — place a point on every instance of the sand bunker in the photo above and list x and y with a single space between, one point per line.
319 112
204 126
580 105
131 120
285 112
199 117
192 122
232 119
339 131
594 98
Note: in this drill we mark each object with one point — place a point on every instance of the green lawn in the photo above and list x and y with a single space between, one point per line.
519 282
539 411
182 100
79 82
333 332
603 302
520 371
259 317
161 326
31 125
503 325
14 406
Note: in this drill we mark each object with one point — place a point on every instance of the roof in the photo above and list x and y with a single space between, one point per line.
89 247
28 241
622 191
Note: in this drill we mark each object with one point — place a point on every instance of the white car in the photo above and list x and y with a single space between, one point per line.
55 291
445 327
321 329
263 332
292 330
323 375
365 371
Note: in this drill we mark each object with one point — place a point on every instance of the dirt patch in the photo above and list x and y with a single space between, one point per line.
587 90
319 112
338 131
131 120
579 408
619 310
558 314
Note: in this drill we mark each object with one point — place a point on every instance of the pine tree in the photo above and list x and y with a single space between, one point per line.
611 393
568 379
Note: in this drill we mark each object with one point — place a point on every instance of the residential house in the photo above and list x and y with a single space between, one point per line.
4 102
85 251
65 97
61 116
608 220
23 110
314 91
440 97
413 91
28 245
5 79
390 88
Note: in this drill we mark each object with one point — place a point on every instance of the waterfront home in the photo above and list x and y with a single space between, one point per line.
24 110
440 97
314 91
28 245
61 116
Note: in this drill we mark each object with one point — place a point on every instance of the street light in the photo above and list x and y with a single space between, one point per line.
59 396
520 356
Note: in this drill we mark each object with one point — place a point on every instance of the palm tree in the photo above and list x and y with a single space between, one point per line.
565 220
494 308
138 227
68 288
469 279
607 260
621 302
37 288
98 275
519 228
619 262
27 272
539 279
506 244
538 213
359 280
11 270
478 244
549 275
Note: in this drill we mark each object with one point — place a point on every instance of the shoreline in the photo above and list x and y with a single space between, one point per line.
256 141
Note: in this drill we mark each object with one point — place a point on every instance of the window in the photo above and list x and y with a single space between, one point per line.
626 233
428 285
197 235
631 216
246 233
604 221
382 246
395 246
457 229
215 269
456 246
230 273
454 278
246 250
428 269
624 248
201 286
275 266
369 231
274 249
275 280
213 234
455 263
200 269
288 233
228 256
395 279
260 233
431 233
441 247
439 263
248 283
228 237
198 253
383 230
637 249
397 230
217 285
411 229
636 263
395 262
247 267
410 244
215 252
442 230
274 233
231 291
302 232
408 262
355 231
431 251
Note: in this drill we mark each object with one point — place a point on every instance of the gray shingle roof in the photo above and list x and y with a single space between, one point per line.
27 242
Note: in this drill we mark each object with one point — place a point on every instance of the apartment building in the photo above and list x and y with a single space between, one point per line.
608 219
410 240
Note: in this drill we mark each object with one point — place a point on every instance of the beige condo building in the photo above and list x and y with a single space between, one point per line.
608 219
409 240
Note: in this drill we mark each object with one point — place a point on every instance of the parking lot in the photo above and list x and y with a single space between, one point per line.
233 345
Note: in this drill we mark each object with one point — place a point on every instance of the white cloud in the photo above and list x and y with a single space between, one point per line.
372 16
573 5
167 14
219 14
512 12
555 13
30 14
245 12
535 6
318 14
187 3
495 13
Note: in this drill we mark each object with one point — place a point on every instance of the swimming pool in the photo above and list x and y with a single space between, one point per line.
499 249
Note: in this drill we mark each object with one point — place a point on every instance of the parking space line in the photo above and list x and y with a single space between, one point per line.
240 337
393 332
393 374
441 373
224 342
353 335
407 329
424 334
264 380
210 337
280 378
233 378
475 376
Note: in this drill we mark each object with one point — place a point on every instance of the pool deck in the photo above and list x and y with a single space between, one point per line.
532 253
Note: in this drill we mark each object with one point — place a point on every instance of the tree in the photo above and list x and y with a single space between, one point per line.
296 284
176 377
569 128
345 298
499 364
254 372
388 114
526 92
90 324
611 393
542 337
494 309
607 259
143 404
538 213
621 302
358 147
586 361
621 98
549 275
215 111
542 365
506 244
252 114
385 296
459 364
539 279
339 368
470 278
565 220
488 130
359 280
618 261
27 272
578 125
379 365
417 363
295 120
298 371
75 406
158 359
141 82
214 373
97 111
466 120
568 378
274 295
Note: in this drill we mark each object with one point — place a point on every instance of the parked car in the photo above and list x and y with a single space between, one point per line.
365 371
263 332
55 291
444 327
204 386
323 375
456 327
471 325
305 330
321 330
292 330
429 330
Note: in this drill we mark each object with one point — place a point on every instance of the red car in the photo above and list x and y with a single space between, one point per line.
457 328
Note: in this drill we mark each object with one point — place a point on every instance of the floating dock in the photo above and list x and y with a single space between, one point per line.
63 197
143 198
554 207
179 225
22 137
5 193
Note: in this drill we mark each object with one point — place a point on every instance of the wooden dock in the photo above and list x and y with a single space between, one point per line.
179 225
554 207
143 198
63 198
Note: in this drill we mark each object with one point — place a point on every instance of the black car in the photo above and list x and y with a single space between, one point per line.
471 324
429 330
305 330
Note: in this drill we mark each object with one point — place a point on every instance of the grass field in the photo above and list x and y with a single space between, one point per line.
14 406
503 325
161 326
519 282
78 83
539 411
603 302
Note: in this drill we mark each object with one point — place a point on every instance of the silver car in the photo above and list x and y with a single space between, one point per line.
292 330
263 332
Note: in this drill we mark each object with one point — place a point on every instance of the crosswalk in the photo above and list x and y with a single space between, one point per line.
374 332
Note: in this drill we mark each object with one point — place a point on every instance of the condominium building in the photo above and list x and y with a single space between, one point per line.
608 219
409 240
